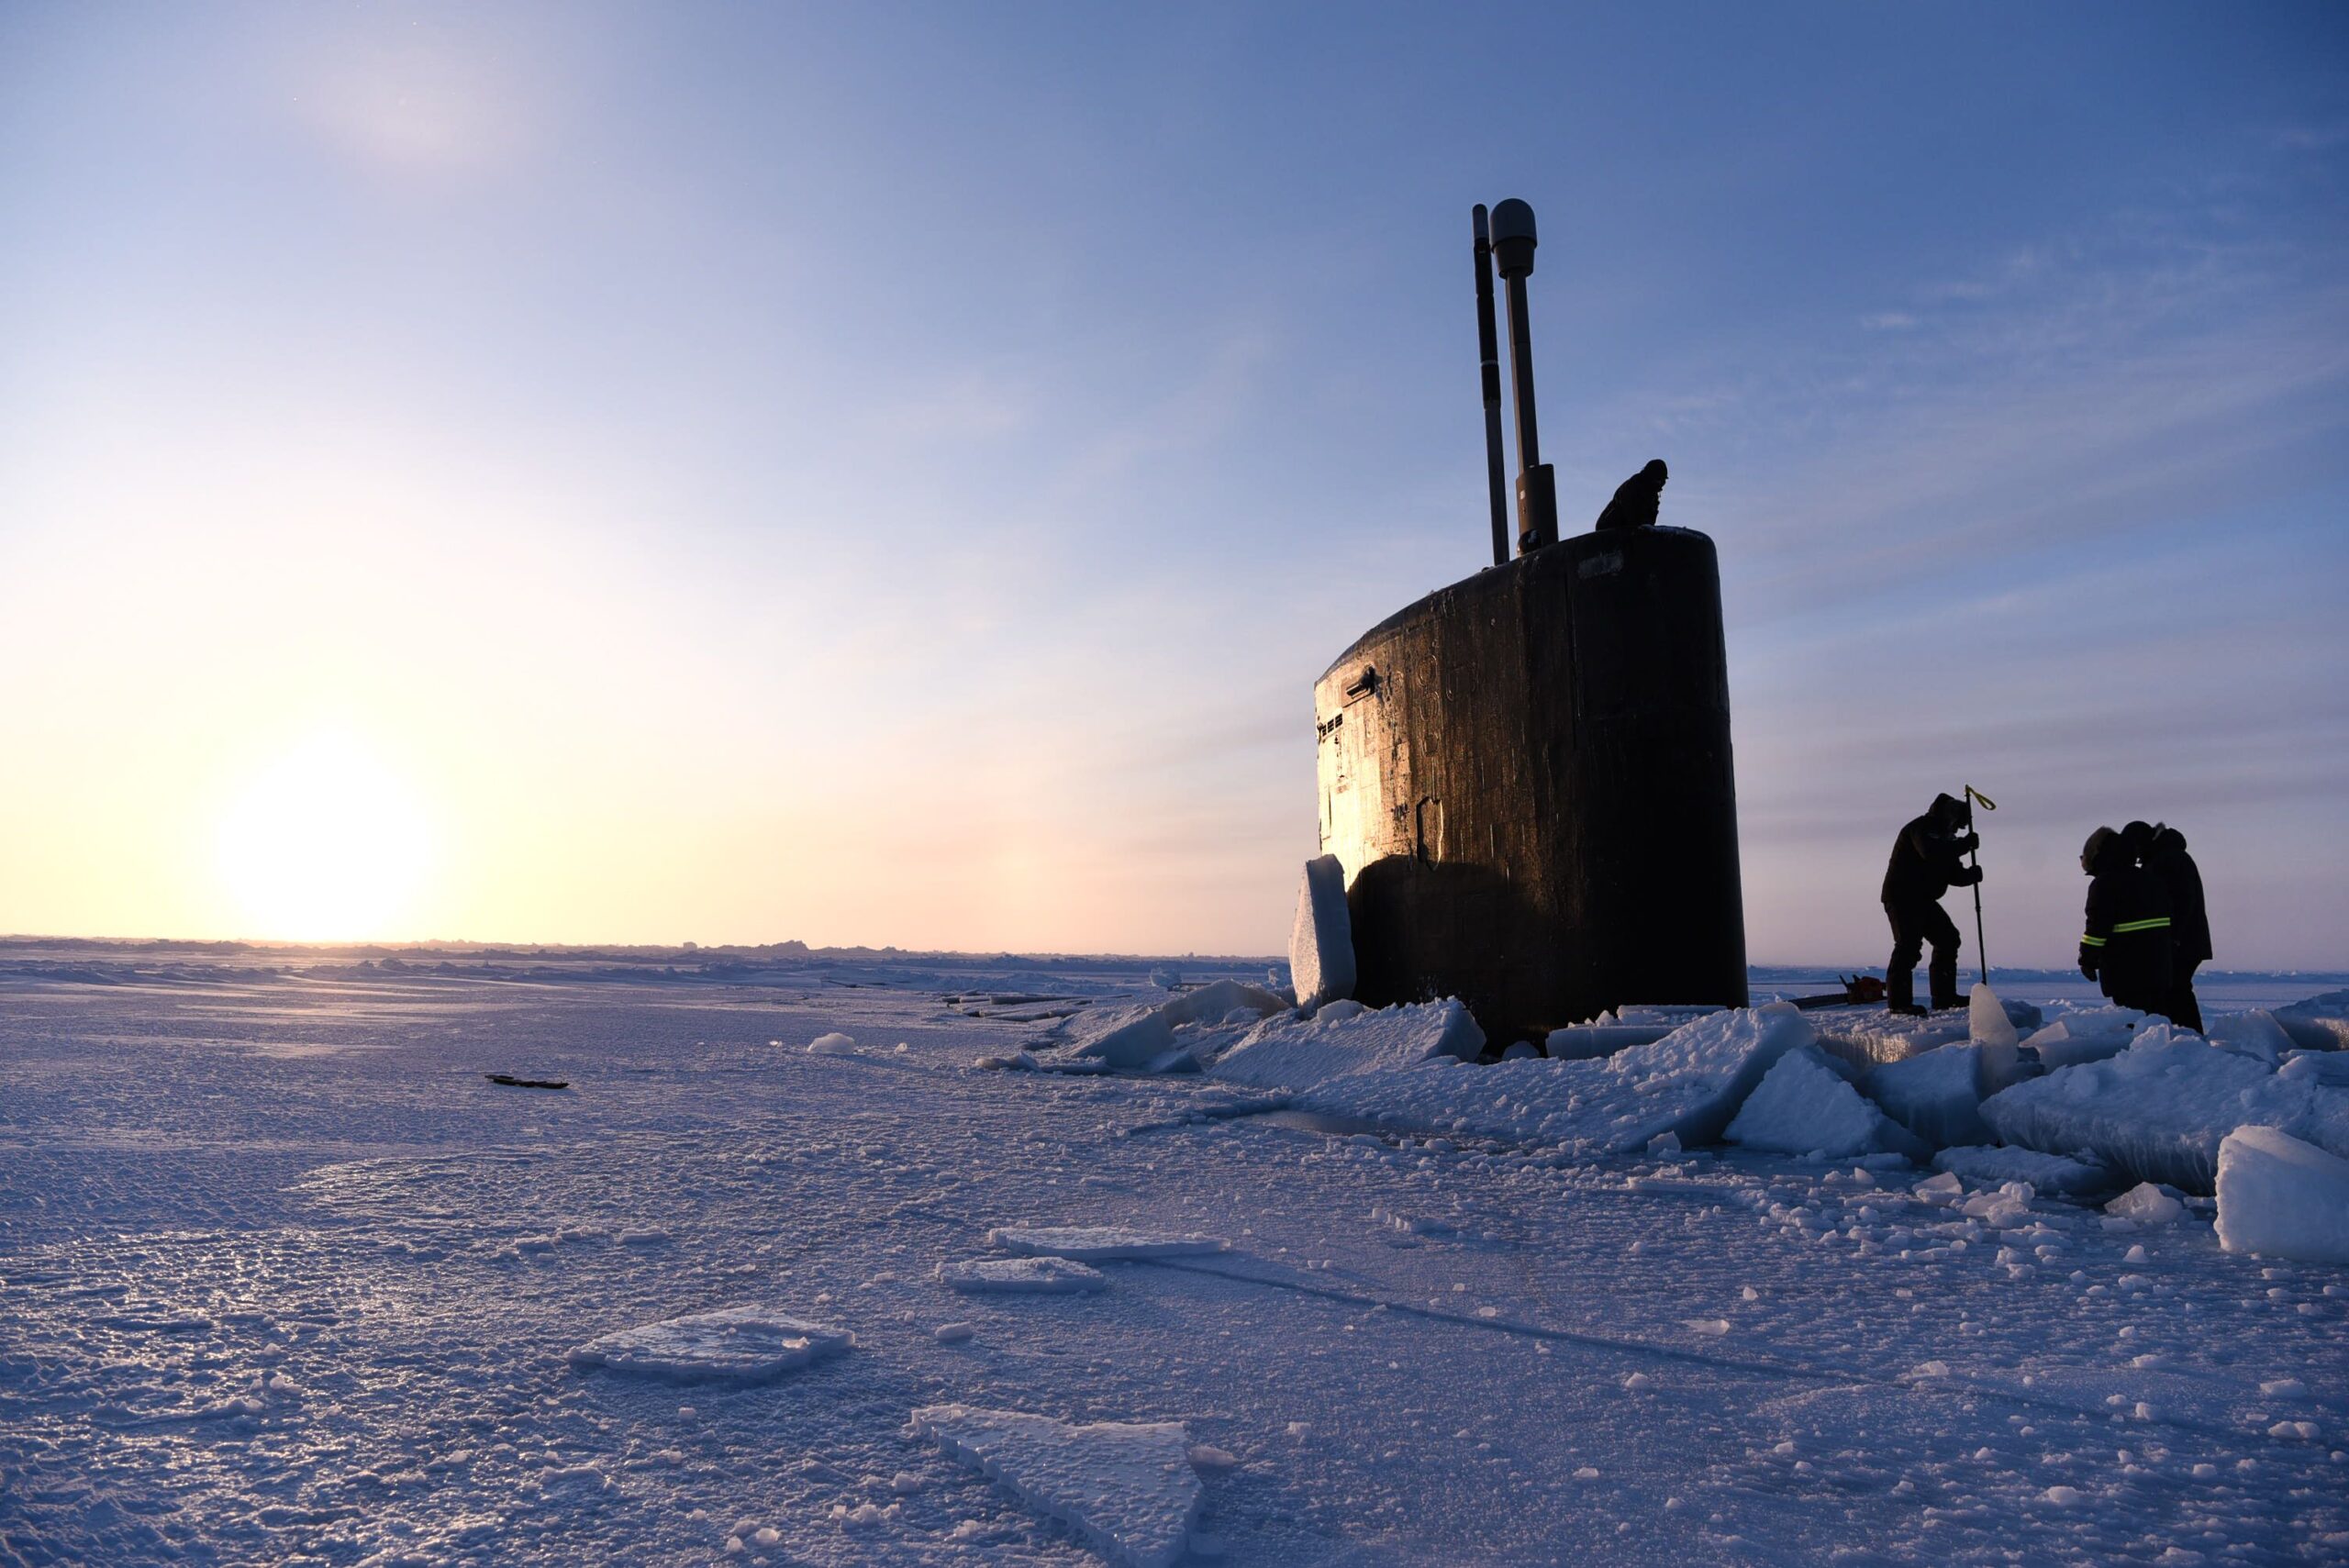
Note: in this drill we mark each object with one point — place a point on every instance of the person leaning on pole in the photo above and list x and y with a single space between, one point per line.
1926 864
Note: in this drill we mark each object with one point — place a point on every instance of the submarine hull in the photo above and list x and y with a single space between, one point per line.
1527 777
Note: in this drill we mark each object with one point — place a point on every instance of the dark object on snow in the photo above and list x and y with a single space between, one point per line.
1636 499
1927 862
2189 921
1526 775
2126 947
1859 991
512 1083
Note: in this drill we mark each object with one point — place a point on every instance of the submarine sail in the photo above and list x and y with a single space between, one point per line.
1527 776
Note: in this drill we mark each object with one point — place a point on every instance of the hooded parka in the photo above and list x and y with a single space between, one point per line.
2126 946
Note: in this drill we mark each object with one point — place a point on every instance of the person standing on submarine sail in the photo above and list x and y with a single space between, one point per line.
1927 862
2126 947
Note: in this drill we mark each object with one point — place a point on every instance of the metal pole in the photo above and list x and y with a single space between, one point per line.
1537 486
1520 368
1981 949
1489 356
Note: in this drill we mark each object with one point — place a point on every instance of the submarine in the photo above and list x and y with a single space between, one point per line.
1527 776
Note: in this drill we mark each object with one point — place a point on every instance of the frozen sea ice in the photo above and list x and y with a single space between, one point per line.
1041 1276
734 1341
1128 1489
1095 1242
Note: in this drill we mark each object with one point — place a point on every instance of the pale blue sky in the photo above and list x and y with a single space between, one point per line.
891 475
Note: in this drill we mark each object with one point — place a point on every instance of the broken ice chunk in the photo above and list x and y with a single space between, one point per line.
734 1341
1127 1487
2147 1205
1804 1105
2046 1172
1320 941
1042 1275
2157 1111
1345 1039
2282 1198
1936 1094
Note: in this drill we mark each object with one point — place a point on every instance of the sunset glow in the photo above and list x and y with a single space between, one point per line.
326 843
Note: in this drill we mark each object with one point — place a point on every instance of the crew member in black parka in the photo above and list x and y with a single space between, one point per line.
2189 921
2126 947
1926 862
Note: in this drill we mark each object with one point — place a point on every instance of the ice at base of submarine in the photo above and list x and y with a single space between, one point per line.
2090 1102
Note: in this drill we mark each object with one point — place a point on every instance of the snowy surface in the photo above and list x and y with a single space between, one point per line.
734 1341
1101 1243
1044 1275
282 1279
1127 1486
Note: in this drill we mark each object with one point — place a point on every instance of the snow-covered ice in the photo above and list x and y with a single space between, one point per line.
2089 1036
2319 1023
2045 1173
1127 1486
1936 1094
1579 1043
1042 1274
1101 1243
2255 1033
285 1281
2327 1067
2282 1198
2157 1111
1322 939
1142 1037
2147 1204
1688 1083
1347 1039
1803 1105
734 1342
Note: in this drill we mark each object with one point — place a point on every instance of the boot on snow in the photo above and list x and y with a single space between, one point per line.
1944 984
1900 992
